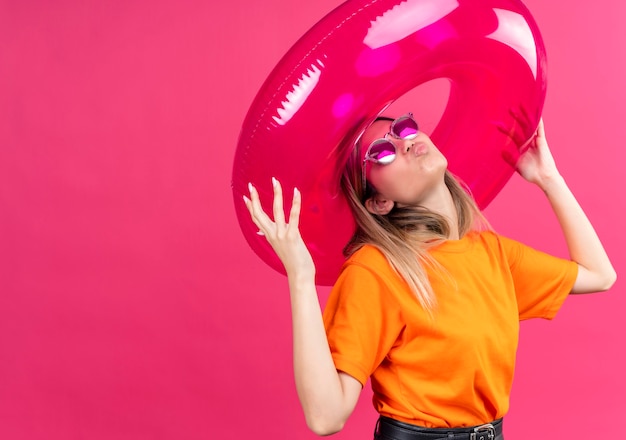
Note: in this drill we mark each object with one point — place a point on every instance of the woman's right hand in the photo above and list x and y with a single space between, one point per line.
284 237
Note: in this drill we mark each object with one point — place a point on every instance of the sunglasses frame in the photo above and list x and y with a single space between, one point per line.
384 139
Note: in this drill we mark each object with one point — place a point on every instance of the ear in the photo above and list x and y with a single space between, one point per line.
379 205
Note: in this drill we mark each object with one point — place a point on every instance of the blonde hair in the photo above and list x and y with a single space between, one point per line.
405 234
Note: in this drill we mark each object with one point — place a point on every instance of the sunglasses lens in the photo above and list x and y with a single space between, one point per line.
404 128
382 151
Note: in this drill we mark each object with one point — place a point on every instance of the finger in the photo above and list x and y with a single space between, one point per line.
279 213
515 134
509 159
525 117
505 130
250 208
294 214
500 126
248 204
540 130
520 115
508 131
259 217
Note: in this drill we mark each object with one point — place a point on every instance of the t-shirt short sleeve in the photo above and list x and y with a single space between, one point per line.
362 321
542 281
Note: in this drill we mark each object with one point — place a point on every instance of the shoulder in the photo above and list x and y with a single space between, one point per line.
367 256
521 257
369 266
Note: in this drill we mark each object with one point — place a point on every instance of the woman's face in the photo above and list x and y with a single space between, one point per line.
416 173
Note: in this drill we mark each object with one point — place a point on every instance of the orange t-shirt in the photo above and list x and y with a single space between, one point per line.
456 369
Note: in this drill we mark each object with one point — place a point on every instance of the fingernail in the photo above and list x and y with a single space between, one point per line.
274 182
259 232
246 200
296 192
250 187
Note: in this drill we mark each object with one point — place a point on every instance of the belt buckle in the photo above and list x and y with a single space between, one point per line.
483 432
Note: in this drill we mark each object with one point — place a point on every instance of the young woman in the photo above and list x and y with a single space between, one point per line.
429 301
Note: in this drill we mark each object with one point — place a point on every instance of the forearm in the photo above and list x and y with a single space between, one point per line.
326 406
596 272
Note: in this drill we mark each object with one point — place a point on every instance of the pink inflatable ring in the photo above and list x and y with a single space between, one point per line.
349 67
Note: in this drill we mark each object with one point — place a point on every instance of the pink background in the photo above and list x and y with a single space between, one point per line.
130 304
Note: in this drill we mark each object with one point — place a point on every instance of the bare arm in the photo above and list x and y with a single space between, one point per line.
595 271
327 396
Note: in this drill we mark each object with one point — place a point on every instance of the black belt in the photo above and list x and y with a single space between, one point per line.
390 429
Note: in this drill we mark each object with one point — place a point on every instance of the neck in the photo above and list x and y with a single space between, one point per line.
442 203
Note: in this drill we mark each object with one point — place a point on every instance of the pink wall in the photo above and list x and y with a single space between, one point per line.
130 305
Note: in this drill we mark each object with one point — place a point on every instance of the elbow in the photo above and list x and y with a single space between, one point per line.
323 430
606 281
599 280
609 280
324 426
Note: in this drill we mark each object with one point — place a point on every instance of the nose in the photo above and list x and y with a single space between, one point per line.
407 145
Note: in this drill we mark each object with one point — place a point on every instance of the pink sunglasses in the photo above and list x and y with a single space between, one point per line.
383 151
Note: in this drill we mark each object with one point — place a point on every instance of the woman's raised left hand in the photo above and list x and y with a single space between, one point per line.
536 163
